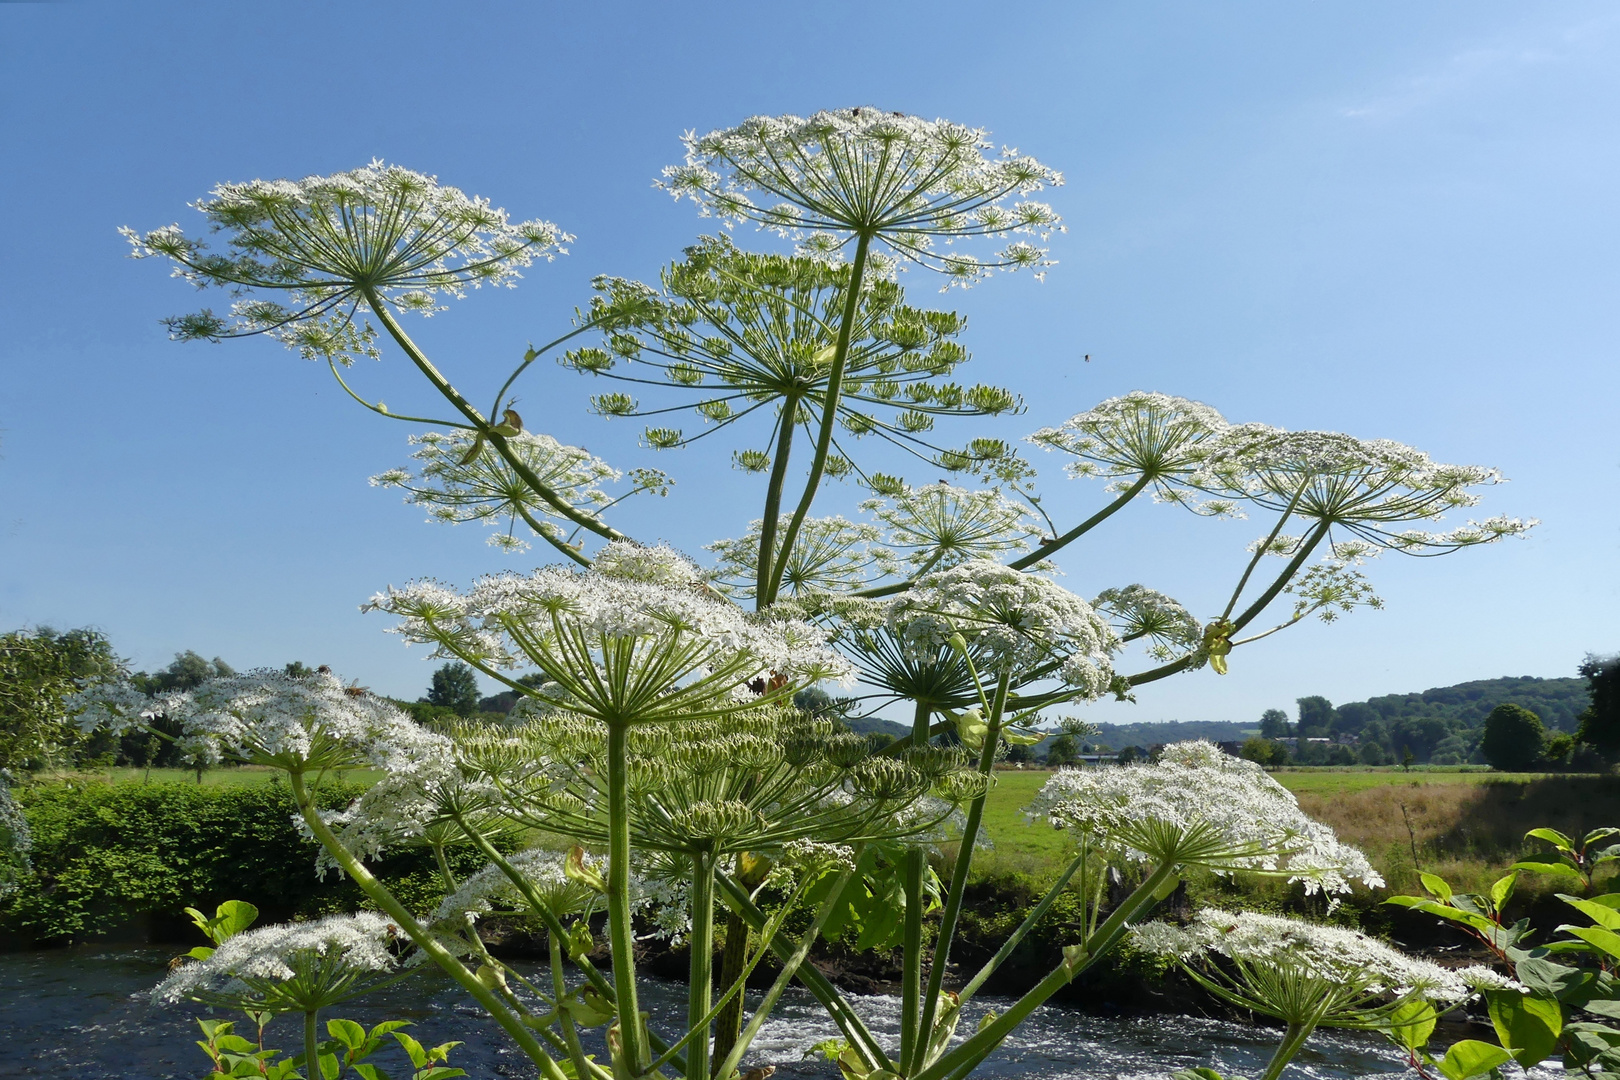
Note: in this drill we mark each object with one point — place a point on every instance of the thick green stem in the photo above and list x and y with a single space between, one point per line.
959 875
1043 551
829 415
911 950
733 958
700 980
620 932
559 990
790 967
389 903
1251 612
1024 928
312 1055
848 1021
1292 1043
579 517
991 1035
773 500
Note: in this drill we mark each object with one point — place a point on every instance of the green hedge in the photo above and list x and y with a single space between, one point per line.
108 853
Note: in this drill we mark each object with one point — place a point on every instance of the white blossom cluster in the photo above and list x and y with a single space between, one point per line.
937 526
457 488
1153 438
1199 804
1020 622
305 257
904 180
830 554
272 718
491 889
1141 612
1367 487
630 593
244 965
1328 952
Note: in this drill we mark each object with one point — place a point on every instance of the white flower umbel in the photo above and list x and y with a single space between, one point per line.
1366 488
938 526
294 967
1199 806
305 260
1015 622
1139 440
458 486
910 183
491 889
1140 612
832 555
15 841
636 638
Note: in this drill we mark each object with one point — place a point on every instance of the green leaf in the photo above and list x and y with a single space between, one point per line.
413 1048
1412 1023
1437 886
232 917
439 1072
1602 914
442 1051
1604 1007
1597 835
370 1072
1549 979
347 1032
1503 888
1547 864
1553 837
1200 1073
1529 1023
1470 1057
1607 940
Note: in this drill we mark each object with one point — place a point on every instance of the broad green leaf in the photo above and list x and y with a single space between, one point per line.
201 952
1602 914
1412 1023
439 1072
1604 1007
413 1048
1470 1057
1553 837
1607 940
1598 835
1503 888
347 1032
1549 979
1546 864
1526 1022
1437 886
232 917
370 1072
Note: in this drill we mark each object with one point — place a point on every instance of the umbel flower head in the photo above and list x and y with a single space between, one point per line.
1199 806
905 181
938 526
15 841
832 555
304 259
294 967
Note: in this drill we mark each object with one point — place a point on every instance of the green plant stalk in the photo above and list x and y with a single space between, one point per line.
1260 552
1292 1043
911 949
829 416
620 933
700 980
1043 551
728 1023
312 1056
559 988
790 967
481 423
987 1038
379 894
1024 928
848 1021
773 501
959 875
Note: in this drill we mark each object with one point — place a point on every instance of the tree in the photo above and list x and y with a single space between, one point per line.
37 669
1064 750
1600 723
186 671
1514 739
1263 751
1273 724
1018 754
1316 716
455 687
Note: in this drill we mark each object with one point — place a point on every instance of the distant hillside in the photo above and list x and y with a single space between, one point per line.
1559 702
1119 736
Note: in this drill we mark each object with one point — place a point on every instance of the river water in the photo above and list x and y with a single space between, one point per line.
83 1014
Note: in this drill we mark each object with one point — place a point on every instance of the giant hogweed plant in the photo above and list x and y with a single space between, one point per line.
659 750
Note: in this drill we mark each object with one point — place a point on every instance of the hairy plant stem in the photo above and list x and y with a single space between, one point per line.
1042 551
620 932
849 1022
559 990
700 980
733 956
978 1045
1294 1041
911 927
389 903
959 875
312 1056
482 424
765 564
829 416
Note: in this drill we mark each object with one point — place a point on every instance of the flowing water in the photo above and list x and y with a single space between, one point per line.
83 1014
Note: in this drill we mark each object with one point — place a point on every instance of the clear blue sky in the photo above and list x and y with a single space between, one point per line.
1392 219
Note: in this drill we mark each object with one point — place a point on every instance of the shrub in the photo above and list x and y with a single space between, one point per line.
105 853
1514 739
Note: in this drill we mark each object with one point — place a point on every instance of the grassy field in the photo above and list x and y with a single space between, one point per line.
242 774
